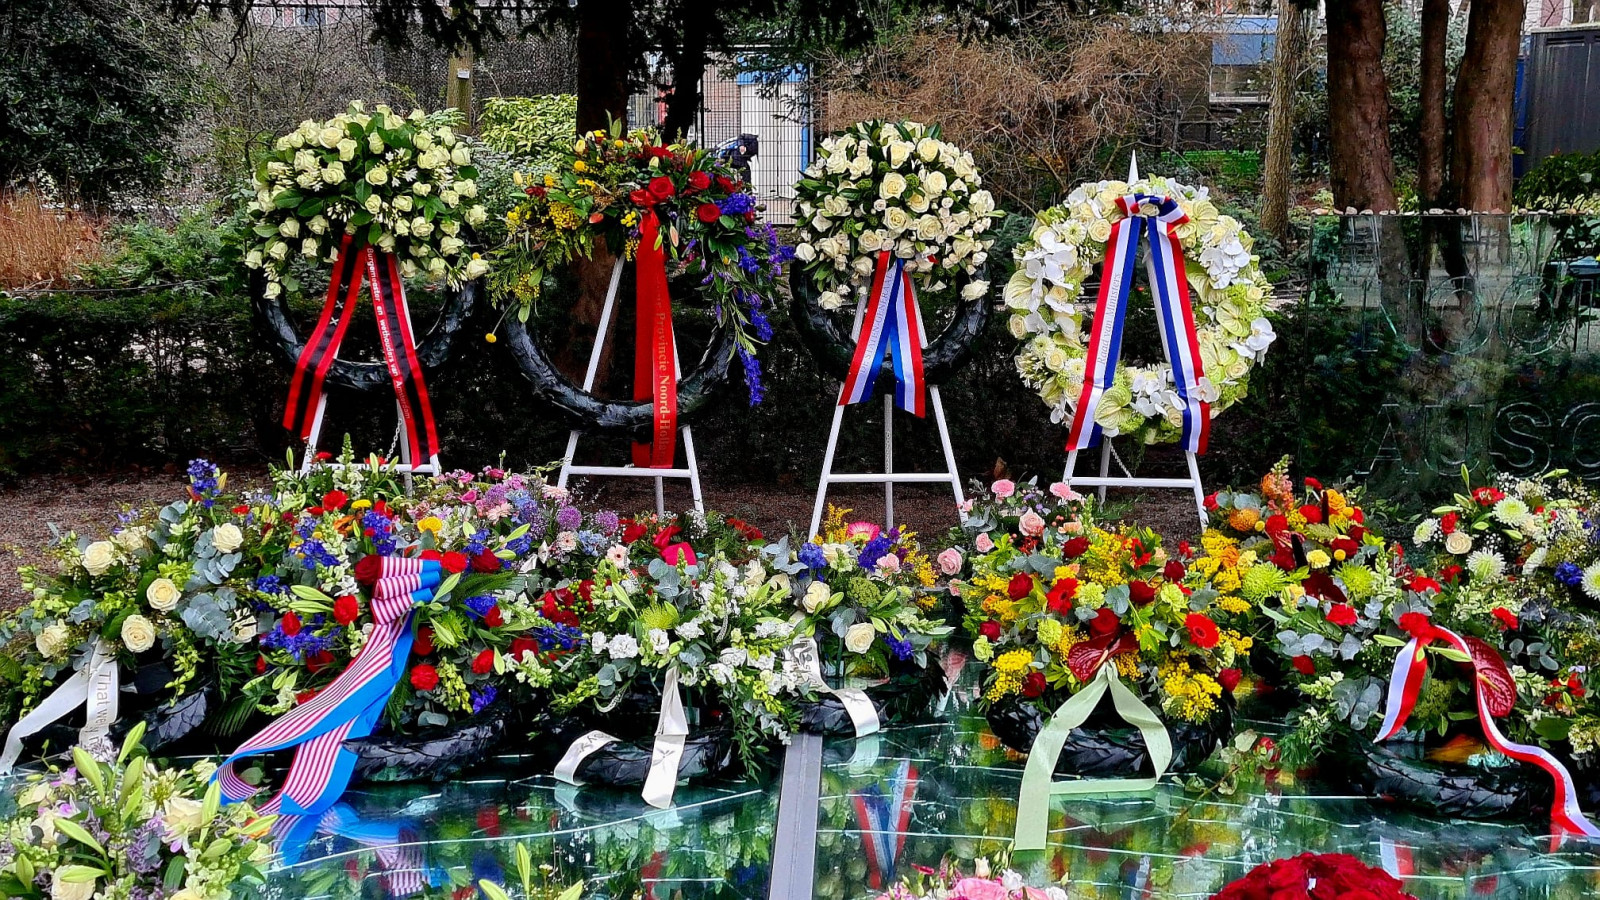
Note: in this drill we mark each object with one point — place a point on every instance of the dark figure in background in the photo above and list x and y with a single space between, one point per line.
738 155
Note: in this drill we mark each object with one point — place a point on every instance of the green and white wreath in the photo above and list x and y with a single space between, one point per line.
892 186
1051 310
402 185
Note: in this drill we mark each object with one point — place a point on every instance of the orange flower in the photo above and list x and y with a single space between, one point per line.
1244 519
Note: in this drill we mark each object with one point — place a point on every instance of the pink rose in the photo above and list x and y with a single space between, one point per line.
950 561
983 543
978 889
863 530
888 564
1031 524
1003 488
1061 491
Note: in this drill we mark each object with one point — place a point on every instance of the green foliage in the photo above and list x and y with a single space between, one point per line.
1236 171
539 129
1568 181
92 93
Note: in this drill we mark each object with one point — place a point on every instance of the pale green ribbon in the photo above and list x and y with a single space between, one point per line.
1033 805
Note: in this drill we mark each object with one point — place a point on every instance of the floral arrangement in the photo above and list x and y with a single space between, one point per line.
867 589
892 186
601 192
1052 314
166 585
723 627
1048 606
947 883
1315 876
120 826
401 185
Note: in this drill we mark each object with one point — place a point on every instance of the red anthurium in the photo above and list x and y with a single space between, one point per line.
1305 665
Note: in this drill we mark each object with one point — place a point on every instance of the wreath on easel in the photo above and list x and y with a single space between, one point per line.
678 214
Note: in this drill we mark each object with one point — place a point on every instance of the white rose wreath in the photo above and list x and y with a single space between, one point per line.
1051 311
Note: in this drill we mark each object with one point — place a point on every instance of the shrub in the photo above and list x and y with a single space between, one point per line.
539 129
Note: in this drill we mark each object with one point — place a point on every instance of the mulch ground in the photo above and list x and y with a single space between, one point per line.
89 505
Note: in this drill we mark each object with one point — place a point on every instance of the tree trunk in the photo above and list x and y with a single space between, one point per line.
1431 155
604 61
1286 62
1484 109
1360 161
688 64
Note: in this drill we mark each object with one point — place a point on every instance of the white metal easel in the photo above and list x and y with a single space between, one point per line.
1127 479
690 471
406 467
888 477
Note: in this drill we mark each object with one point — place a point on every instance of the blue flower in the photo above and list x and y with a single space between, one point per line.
1569 574
607 521
752 376
314 552
203 479
737 205
557 637
874 550
480 605
270 584
520 546
380 529
482 697
811 555
477 543
900 647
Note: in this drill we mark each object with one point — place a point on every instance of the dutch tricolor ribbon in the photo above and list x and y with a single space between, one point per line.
394 337
885 817
395 844
891 324
1159 217
346 709
1410 668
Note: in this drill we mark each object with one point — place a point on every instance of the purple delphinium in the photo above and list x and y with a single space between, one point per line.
811 555
737 204
752 376
305 644
315 552
557 637
1569 574
378 527
875 550
900 647
480 605
482 697
203 477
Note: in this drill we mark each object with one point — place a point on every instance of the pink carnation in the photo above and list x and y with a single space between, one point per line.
1062 491
1003 488
978 889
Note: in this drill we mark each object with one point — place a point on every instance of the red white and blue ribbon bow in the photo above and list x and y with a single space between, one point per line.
884 818
1160 218
1410 668
893 325
398 850
347 708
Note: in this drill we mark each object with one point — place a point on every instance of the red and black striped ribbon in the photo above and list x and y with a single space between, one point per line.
394 336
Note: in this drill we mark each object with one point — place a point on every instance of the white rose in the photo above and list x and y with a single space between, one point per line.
918 202
893 185
374 143
858 638
1458 542
830 300
974 290
899 152
330 137
252 260
863 265
1100 230
982 202
131 539
928 149
816 597
805 252
99 557
181 816
318 224
421 227
460 156
163 594
935 183
290 228
477 267
928 228
378 175
138 635
347 149
334 173
308 247
52 641
373 204
227 537
896 220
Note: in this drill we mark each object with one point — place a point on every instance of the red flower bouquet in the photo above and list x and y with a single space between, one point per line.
1316 876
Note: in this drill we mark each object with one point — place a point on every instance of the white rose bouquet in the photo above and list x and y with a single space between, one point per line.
402 185
1051 313
892 186
171 582
129 828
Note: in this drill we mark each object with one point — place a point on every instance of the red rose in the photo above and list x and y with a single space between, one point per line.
708 212
1341 614
486 562
1419 626
1021 585
494 618
290 624
1229 679
335 500
346 609
261 664
728 184
1356 515
1104 622
1447 524
661 187
990 629
241 509
1284 559
522 646
1033 684
483 663
1174 570
631 531
1075 547
1304 665
1202 631
318 661
1059 600
1508 619
642 198
1450 573
1311 513
699 181
1141 592
423 645
424 677
368 570
454 561
1211 502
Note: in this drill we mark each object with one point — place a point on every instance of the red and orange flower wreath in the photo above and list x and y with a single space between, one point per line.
1315 876
674 210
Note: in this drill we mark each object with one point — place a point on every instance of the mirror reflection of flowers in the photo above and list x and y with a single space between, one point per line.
711 229
866 591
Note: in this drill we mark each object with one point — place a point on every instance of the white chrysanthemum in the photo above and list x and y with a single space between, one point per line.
1485 566
1591 581
1425 532
1510 511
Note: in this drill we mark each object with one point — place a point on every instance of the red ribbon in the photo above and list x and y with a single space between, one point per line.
655 369
394 337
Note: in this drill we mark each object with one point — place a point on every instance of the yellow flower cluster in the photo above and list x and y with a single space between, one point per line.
1001 608
1190 695
564 216
1104 561
1013 662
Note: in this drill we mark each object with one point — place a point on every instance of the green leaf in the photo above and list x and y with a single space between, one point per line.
78 874
1451 654
1553 728
1388 641
307 592
287 199
310 208
80 834
172 879
492 891
446 586
571 893
213 802
131 742
363 191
